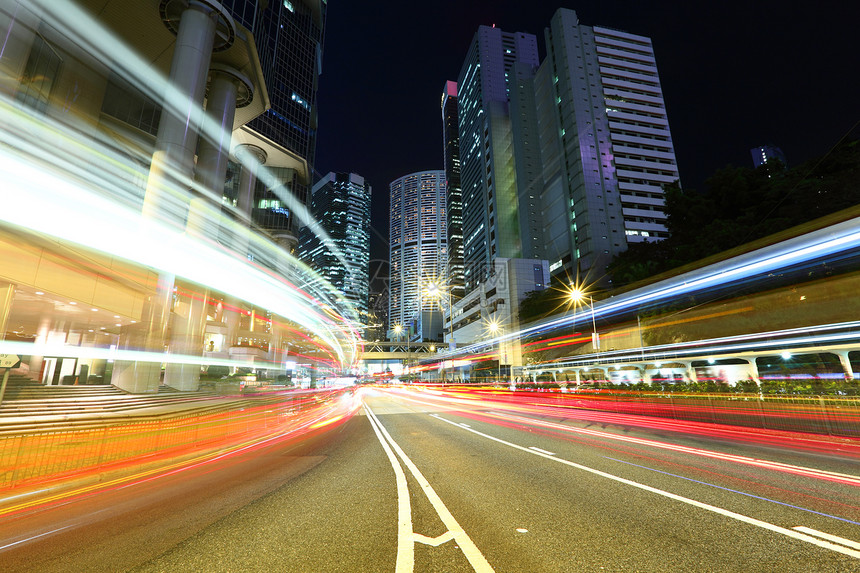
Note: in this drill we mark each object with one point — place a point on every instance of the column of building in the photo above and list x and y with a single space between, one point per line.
17 28
172 163
228 89
252 159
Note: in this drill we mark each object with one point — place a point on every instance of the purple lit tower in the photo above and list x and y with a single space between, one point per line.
606 148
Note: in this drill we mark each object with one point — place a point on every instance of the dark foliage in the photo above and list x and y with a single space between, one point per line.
739 205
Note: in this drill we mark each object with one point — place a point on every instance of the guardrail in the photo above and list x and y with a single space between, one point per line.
98 444
829 415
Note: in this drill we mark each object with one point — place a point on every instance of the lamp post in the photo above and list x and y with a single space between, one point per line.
577 295
398 329
436 291
494 327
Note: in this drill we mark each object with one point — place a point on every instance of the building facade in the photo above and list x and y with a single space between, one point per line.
497 212
290 38
340 204
453 192
491 311
167 90
418 251
606 148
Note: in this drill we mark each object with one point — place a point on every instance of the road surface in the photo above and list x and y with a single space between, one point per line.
424 480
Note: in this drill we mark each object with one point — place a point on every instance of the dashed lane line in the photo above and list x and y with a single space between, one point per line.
724 512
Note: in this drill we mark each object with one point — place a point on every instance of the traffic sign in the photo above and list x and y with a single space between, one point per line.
10 361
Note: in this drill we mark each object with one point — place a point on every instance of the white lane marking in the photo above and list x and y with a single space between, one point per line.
434 541
465 425
827 536
778 466
405 544
467 546
32 538
522 530
535 448
693 502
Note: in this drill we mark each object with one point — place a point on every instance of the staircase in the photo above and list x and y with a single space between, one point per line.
28 405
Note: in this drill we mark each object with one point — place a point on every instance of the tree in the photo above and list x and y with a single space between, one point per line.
738 205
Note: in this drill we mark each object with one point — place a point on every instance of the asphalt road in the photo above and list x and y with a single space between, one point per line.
426 481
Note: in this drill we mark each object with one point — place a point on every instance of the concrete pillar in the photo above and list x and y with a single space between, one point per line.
176 144
753 371
149 335
225 87
17 30
846 363
232 313
42 331
646 376
690 371
228 89
189 323
275 355
172 167
7 294
252 158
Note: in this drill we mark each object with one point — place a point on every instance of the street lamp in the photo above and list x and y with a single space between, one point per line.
398 329
577 295
435 290
494 327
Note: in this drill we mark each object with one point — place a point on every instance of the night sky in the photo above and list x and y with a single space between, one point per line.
735 75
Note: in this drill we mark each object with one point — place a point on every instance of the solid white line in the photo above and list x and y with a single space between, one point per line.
467 546
699 504
405 543
34 537
535 448
827 536
778 466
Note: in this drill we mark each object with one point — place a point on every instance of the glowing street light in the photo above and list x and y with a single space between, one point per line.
578 296
494 327
437 291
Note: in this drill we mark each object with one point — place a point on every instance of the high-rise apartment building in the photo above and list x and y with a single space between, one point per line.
453 193
498 214
418 252
340 203
605 145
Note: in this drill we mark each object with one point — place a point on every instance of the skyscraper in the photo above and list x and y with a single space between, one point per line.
340 203
453 193
494 208
289 36
605 144
418 251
